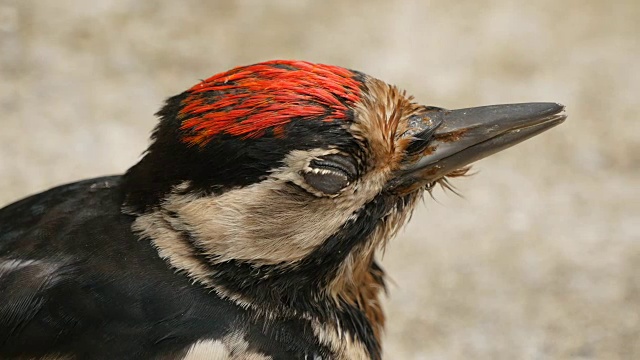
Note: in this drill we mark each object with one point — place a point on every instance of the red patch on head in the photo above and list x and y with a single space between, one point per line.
248 100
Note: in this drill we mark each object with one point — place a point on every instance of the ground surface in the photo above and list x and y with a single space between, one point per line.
540 260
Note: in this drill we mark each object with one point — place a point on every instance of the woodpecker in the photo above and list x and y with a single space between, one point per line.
249 228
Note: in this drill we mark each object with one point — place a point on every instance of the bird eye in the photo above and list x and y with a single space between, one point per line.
330 173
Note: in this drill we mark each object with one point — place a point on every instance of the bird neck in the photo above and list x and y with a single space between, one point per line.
337 287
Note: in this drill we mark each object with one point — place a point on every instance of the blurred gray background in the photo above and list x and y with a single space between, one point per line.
539 260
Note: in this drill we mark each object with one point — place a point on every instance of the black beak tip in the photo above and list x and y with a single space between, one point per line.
553 112
559 110
550 114
542 109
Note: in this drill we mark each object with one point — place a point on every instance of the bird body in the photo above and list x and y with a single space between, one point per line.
248 230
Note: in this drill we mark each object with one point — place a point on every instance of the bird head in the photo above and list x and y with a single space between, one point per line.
278 182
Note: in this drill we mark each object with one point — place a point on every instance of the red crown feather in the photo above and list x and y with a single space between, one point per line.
248 100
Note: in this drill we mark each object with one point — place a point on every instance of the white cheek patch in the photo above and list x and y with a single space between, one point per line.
265 223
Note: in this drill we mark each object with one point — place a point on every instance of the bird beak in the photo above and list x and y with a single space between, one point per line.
467 135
